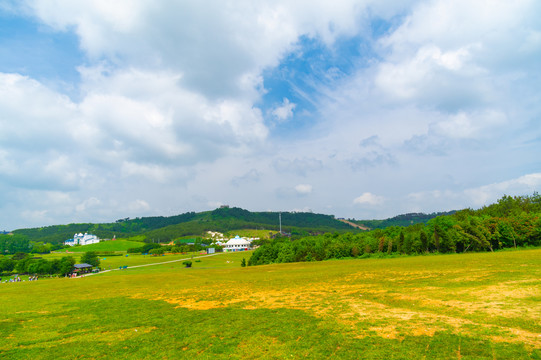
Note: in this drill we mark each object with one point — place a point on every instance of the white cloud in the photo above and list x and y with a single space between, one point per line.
217 45
138 206
474 197
486 194
88 204
369 199
303 189
470 125
284 111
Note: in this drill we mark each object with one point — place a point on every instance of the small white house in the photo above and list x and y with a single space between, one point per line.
80 239
237 244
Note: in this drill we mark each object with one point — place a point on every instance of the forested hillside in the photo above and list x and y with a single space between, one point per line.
165 229
402 220
510 223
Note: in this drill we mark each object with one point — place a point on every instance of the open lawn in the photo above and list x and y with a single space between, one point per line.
470 306
110 245
112 261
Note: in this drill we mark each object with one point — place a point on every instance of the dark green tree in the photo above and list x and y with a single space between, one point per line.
66 265
7 264
424 241
90 257
400 242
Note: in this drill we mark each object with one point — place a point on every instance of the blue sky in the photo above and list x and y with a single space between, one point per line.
32 49
356 108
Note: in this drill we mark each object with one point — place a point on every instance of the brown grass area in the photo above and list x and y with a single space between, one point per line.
355 304
402 299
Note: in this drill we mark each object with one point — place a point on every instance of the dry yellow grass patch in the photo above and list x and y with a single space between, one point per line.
354 304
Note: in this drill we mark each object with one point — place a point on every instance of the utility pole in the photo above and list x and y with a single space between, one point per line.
280 217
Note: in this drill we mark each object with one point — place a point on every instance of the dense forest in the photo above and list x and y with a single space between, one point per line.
401 220
510 223
165 229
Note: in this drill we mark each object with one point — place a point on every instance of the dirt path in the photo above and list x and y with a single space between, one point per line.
355 225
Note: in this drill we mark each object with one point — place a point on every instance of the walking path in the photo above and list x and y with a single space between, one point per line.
159 263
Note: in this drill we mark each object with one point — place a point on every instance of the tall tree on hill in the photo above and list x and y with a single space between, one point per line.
424 241
407 244
381 245
400 242
437 232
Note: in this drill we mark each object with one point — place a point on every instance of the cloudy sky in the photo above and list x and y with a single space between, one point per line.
360 109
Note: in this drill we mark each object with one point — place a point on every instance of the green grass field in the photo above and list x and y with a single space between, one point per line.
471 306
111 245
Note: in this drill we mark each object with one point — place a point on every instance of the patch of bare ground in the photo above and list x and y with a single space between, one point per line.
386 313
420 322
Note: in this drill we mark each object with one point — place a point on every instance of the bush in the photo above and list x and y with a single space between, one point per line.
187 264
19 256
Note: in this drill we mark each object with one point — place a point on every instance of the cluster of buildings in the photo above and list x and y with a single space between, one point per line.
82 239
235 244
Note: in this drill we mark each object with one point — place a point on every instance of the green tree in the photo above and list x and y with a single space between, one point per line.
407 244
381 244
424 241
400 242
157 251
22 265
7 264
90 257
66 265
243 262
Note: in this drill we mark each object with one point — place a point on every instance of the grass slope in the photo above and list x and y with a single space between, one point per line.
472 306
112 245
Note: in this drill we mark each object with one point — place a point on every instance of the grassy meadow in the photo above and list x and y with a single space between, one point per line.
469 306
111 245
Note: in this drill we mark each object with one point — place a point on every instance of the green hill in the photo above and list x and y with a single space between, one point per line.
165 229
401 220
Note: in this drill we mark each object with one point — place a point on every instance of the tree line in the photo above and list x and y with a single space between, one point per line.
510 223
22 263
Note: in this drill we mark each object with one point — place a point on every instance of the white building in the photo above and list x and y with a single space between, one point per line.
237 244
80 239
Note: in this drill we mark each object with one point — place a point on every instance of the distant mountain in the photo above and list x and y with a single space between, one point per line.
401 220
164 229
